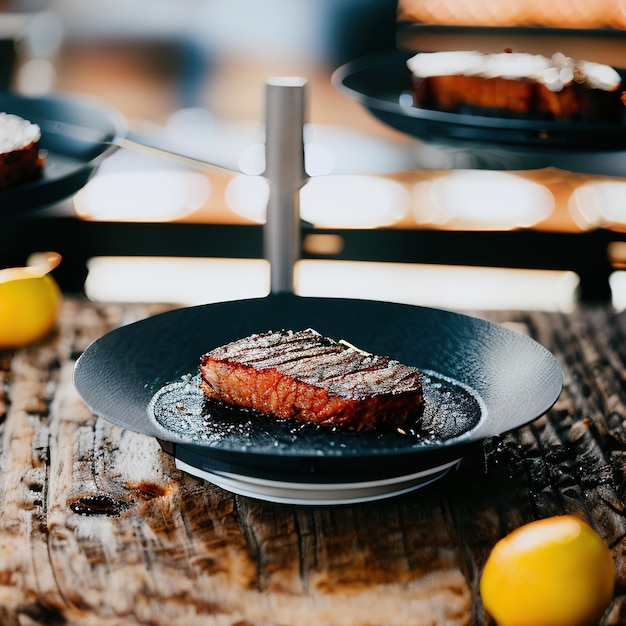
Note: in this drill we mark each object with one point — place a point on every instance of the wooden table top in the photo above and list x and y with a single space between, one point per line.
98 527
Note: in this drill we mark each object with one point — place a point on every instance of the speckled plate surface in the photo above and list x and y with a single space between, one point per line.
481 379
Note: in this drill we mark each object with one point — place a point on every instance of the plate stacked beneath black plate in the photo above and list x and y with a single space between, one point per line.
293 492
480 380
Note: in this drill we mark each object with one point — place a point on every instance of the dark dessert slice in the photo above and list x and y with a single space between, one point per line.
517 85
20 157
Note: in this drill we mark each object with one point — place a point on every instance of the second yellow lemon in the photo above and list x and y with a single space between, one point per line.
552 572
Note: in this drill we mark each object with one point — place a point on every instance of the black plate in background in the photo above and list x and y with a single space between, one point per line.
515 377
77 133
378 82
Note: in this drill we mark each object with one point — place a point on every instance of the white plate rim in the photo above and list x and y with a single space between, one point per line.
320 497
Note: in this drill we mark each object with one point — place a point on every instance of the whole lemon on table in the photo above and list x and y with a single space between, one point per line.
29 301
552 572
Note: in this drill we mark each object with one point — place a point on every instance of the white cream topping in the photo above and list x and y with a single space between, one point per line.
515 66
16 133
600 76
427 64
554 73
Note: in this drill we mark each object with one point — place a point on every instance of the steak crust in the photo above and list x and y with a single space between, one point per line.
305 376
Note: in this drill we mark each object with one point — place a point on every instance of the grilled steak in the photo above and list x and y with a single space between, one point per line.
307 377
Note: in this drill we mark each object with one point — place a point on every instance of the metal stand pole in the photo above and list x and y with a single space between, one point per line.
284 169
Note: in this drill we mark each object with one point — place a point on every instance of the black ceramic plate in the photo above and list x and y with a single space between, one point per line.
382 84
481 379
77 133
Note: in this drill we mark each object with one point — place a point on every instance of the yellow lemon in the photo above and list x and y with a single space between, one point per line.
29 301
552 572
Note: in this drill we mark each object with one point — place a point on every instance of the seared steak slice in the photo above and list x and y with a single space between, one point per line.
307 377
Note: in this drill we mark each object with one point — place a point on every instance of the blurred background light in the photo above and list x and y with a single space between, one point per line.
482 199
439 286
328 201
240 145
35 77
154 196
617 282
353 201
599 203
199 281
248 196
173 279
132 186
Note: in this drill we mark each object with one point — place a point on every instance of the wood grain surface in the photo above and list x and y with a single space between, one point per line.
98 527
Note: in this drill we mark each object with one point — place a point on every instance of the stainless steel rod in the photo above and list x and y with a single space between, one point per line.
284 169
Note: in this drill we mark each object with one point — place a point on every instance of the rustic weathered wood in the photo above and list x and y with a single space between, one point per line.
98 527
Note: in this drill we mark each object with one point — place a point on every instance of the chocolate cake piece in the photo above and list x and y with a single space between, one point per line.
517 85
21 160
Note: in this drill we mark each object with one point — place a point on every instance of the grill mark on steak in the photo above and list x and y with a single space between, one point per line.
300 357
298 349
308 377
